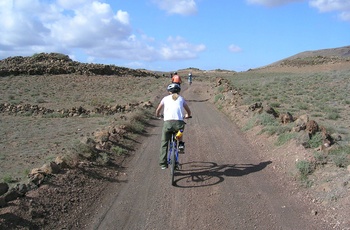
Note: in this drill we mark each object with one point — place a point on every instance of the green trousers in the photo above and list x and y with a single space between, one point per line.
168 128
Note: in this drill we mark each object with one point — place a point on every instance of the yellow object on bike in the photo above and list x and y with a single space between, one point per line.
179 134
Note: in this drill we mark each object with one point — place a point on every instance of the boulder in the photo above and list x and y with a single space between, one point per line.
61 162
3 188
301 121
286 118
272 111
12 195
3 202
311 128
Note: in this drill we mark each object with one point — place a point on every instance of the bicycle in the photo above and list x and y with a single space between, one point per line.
173 155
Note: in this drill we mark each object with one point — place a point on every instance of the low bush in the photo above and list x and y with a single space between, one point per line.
316 140
284 138
305 168
341 156
119 151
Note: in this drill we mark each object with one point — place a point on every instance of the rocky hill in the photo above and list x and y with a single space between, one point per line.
341 52
56 64
316 57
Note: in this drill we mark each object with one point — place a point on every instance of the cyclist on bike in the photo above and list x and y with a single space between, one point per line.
173 107
176 78
190 78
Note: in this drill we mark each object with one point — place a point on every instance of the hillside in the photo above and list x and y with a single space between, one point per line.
339 56
341 52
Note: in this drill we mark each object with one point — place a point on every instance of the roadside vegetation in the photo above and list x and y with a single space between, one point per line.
323 96
31 139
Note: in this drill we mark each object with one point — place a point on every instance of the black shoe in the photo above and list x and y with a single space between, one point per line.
181 147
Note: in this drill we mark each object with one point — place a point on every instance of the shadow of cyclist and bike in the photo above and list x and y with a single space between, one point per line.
202 174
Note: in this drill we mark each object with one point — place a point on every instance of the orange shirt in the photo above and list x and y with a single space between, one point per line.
176 79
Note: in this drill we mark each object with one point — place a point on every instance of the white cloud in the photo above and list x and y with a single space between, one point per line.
345 16
91 24
341 6
179 48
235 49
271 3
331 5
182 7
88 27
123 17
72 4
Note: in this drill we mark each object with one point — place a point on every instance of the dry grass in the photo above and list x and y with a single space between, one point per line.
324 96
28 141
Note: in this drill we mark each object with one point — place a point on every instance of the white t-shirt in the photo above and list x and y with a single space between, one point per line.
173 110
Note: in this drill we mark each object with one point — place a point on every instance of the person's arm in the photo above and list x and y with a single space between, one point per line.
159 109
189 114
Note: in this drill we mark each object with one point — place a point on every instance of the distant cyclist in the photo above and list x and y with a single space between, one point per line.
190 78
176 78
173 107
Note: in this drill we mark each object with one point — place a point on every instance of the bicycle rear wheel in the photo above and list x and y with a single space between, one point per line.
172 164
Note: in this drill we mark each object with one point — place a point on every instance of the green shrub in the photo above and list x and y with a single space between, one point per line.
285 128
54 115
250 124
267 120
218 97
302 106
284 138
305 168
270 130
275 104
8 179
119 151
221 89
333 115
316 140
340 156
40 100
26 172
86 151
341 160
320 157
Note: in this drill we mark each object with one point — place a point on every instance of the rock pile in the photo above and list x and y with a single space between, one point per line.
56 64
34 110
36 177
302 123
97 149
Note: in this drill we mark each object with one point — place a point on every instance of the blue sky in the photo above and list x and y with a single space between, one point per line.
167 35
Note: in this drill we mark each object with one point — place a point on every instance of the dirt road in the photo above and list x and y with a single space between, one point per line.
223 184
